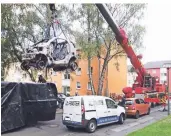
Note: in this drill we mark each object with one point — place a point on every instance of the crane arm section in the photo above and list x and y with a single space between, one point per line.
122 39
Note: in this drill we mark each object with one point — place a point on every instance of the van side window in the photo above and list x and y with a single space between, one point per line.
110 104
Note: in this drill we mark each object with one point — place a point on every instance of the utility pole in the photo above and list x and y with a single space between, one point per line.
168 66
168 89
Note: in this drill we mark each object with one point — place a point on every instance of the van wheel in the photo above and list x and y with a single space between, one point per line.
121 119
70 128
91 127
137 115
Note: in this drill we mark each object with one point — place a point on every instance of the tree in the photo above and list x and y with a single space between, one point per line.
23 25
18 24
84 39
127 16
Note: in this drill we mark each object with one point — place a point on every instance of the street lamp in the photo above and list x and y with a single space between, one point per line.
168 66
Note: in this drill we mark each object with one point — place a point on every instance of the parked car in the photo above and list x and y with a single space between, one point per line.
90 112
136 107
60 100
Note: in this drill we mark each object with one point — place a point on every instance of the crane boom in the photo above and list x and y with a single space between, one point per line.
123 40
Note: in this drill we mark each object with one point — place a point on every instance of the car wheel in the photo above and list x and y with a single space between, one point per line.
41 64
73 65
91 126
137 115
121 119
148 113
70 128
24 66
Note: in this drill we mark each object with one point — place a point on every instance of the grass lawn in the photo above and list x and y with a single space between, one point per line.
160 128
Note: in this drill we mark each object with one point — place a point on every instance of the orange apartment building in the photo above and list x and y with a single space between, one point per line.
78 81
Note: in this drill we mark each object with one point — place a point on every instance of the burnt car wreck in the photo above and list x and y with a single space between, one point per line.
55 53
51 52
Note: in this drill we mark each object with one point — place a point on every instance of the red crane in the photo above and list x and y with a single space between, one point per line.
144 81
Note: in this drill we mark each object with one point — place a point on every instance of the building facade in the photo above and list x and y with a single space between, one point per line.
78 81
155 69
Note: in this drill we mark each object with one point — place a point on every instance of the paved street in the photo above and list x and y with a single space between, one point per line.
55 127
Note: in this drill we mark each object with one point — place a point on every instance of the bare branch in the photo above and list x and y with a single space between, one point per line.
39 11
118 52
129 17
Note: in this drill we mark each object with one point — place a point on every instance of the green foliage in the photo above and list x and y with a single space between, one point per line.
160 128
95 32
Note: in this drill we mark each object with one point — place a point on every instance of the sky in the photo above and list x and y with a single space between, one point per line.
158 32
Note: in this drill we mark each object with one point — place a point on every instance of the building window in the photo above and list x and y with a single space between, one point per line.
66 76
78 85
66 90
78 56
163 74
91 70
78 71
154 71
89 86
162 81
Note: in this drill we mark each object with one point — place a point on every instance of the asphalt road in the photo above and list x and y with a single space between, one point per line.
56 128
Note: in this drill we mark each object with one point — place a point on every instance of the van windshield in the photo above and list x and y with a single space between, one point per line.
128 102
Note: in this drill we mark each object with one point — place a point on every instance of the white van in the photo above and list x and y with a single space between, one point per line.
91 111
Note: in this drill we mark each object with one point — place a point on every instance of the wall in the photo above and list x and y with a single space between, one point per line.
154 72
117 79
114 80
84 78
56 78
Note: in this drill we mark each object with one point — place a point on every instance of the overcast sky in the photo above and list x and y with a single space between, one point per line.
158 36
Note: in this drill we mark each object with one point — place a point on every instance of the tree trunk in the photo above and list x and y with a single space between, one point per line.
89 57
107 88
103 72
99 62
90 76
